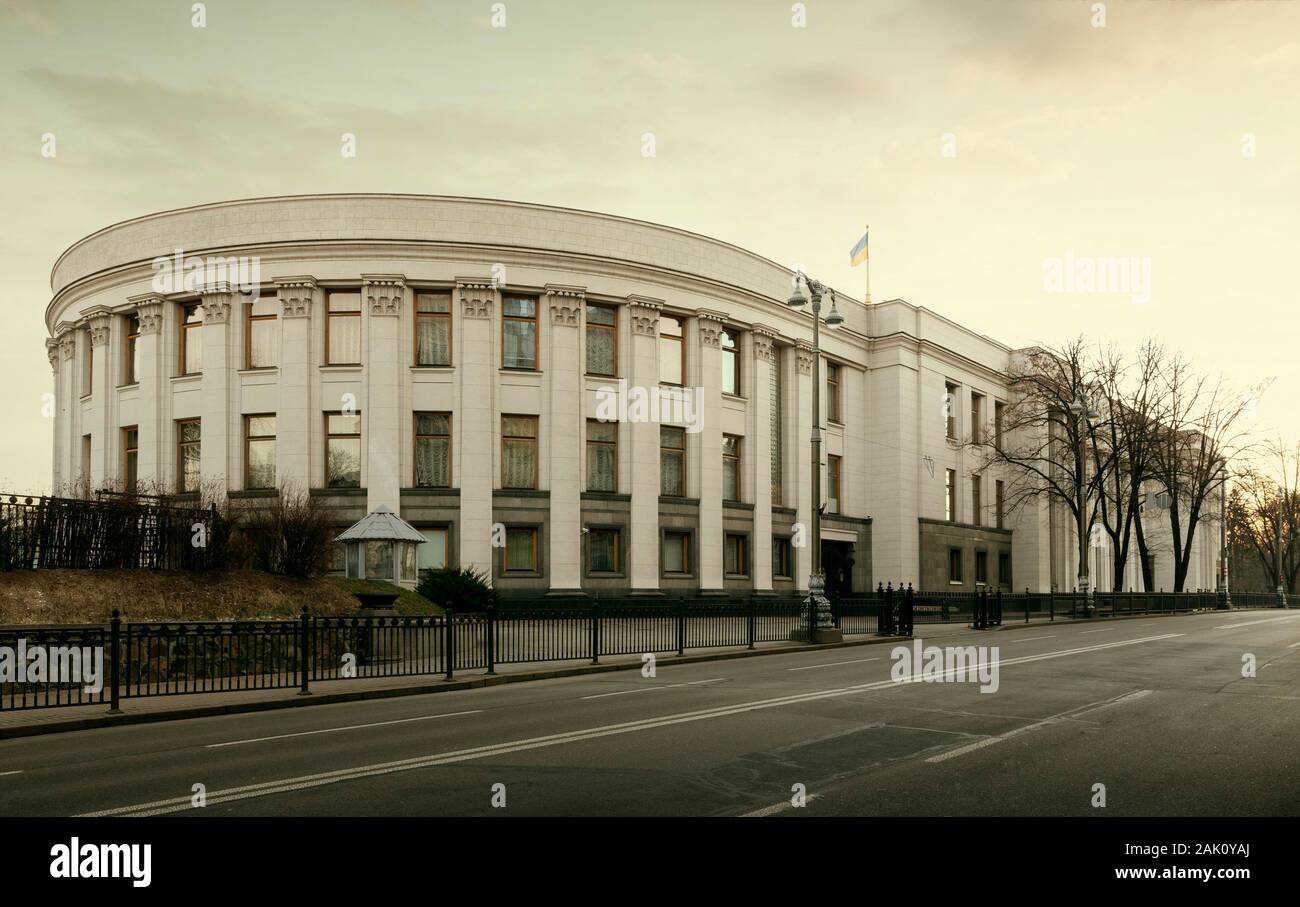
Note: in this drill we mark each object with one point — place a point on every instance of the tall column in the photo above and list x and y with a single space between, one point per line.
710 448
758 454
381 410
149 309
566 433
216 389
69 409
101 382
474 417
56 411
802 425
293 409
643 546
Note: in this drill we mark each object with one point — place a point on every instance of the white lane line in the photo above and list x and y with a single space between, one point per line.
1051 719
1252 623
1106 630
669 686
180 804
833 664
19 772
776 808
331 730
1032 638
1294 645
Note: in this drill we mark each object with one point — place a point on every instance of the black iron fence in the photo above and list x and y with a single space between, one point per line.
129 660
109 531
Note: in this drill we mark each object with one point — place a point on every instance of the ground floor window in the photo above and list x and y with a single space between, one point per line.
954 566
606 551
781 559
432 555
735 550
520 553
982 567
677 553
1004 569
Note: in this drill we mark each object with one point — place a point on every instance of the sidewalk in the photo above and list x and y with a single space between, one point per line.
31 722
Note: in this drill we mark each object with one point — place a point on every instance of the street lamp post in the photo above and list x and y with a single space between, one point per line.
823 630
1223 535
1083 412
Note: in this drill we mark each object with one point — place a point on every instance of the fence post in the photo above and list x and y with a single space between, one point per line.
681 625
114 642
750 620
304 656
491 641
998 595
449 647
882 626
1026 604
1051 604
909 602
595 632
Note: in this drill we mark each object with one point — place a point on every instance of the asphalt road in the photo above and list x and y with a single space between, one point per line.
1156 710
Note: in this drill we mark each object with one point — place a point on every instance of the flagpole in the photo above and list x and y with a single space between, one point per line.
867 233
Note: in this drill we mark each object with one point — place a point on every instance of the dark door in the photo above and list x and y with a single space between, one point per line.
837 561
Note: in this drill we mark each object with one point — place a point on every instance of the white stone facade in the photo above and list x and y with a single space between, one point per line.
896 361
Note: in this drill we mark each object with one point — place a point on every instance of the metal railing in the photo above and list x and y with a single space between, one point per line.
172 658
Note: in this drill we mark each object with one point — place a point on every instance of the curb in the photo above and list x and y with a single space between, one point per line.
441 686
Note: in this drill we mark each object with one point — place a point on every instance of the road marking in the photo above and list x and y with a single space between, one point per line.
833 664
1051 719
2 774
1251 623
286 785
1294 645
1106 630
331 730
693 683
776 808
1032 638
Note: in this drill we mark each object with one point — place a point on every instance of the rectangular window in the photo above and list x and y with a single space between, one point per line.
342 450
342 328
976 502
432 555
976 419
602 455
519 332
433 450
998 502
518 451
672 351
87 365
130 457
777 427
672 461
1004 569
85 460
981 568
950 495
432 329
954 566
950 410
730 468
781 559
735 549
832 484
189 436
833 392
259 452
606 549
131 350
261 333
520 554
190 356
602 341
677 553
731 363
999 410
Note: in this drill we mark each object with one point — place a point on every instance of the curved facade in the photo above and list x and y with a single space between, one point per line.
570 400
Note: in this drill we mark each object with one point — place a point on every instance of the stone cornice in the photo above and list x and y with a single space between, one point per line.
645 314
149 308
384 292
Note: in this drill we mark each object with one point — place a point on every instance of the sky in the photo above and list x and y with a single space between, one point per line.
986 142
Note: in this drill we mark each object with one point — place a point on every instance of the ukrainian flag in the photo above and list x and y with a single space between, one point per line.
859 253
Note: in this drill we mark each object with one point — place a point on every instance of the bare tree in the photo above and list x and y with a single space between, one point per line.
1264 508
1047 432
1197 435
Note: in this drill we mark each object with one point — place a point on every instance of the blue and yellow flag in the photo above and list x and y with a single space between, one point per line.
859 253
